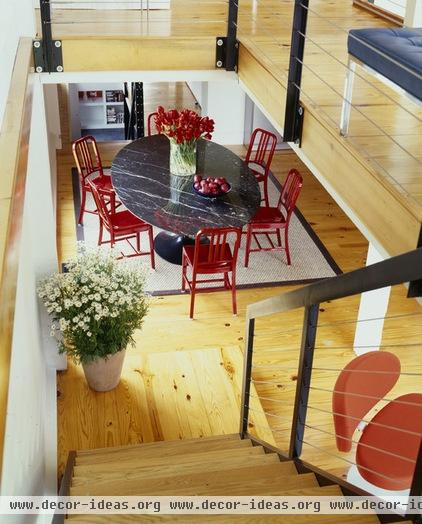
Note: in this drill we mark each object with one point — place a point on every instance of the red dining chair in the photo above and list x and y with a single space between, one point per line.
259 159
151 122
122 225
271 220
389 444
88 163
211 255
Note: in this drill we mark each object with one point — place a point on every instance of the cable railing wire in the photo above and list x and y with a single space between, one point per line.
313 388
158 21
318 448
358 145
371 346
268 399
357 442
356 108
346 66
386 426
369 46
349 138
360 395
254 44
337 323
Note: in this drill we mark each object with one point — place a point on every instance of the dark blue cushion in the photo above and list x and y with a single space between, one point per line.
395 53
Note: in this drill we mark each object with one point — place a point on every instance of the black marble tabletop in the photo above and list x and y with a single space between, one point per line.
143 182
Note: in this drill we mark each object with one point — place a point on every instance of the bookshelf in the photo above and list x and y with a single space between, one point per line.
96 106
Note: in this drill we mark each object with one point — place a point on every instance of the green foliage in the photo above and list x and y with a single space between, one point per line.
97 305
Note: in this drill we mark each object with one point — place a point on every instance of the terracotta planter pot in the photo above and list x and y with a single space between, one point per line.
103 374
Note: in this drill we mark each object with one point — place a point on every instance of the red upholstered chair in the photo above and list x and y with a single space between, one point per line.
271 220
88 163
212 255
259 159
151 123
395 430
122 225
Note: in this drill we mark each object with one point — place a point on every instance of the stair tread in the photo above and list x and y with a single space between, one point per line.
160 449
163 444
188 458
265 478
228 519
162 468
206 479
250 519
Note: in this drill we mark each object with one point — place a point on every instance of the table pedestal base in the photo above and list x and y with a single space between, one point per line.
169 246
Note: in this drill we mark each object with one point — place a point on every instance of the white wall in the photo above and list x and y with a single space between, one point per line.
224 102
254 118
16 20
30 451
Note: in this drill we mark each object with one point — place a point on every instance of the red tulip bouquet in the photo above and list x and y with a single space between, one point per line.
183 128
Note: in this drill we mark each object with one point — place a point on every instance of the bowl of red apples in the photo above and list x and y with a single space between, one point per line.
211 187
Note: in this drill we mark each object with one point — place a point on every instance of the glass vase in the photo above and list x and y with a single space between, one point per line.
183 158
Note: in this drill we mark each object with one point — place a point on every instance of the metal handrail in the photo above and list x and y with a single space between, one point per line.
397 270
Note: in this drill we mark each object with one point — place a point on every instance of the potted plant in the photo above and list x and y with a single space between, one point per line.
183 129
96 305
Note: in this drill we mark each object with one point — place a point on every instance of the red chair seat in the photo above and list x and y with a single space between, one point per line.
124 220
211 255
360 385
102 182
383 433
268 215
258 170
272 220
122 226
204 266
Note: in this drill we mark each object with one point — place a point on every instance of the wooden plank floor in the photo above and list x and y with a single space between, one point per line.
130 415
385 126
162 396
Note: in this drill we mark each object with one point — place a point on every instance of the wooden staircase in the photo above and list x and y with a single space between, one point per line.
223 466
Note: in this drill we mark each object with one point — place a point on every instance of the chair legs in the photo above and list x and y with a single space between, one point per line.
266 199
229 286
100 234
286 245
192 295
234 302
184 268
280 247
151 247
248 245
82 208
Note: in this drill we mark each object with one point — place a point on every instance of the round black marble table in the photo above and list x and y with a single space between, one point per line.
143 182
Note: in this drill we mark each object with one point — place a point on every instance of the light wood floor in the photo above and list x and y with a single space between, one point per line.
385 126
131 414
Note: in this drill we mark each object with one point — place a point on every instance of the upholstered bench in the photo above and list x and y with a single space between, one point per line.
396 54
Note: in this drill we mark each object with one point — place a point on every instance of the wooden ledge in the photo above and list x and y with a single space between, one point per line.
14 141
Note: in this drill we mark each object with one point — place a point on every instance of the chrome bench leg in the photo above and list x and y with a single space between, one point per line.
347 98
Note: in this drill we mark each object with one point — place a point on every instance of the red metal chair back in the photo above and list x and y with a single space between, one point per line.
218 239
101 205
388 448
87 157
151 121
358 388
264 152
290 193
